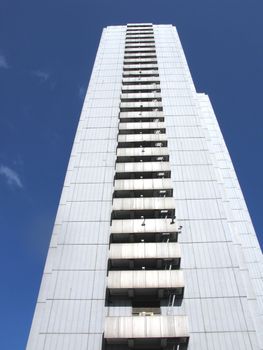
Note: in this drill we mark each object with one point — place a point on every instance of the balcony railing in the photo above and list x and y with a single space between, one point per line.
158 332
150 256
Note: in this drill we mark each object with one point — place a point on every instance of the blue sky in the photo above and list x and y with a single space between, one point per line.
47 49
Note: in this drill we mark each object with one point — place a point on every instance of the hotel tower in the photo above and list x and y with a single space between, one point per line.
153 246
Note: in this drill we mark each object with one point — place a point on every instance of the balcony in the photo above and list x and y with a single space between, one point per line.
141 95
139 31
143 188
137 67
140 152
155 140
140 50
138 80
141 73
140 55
139 41
143 184
148 256
142 170
140 284
147 207
146 332
140 105
141 116
140 60
139 44
141 204
144 230
141 126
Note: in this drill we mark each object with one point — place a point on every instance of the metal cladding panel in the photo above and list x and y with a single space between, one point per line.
151 225
154 203
71 307
200 165
144 251
93 232
146 327
142 184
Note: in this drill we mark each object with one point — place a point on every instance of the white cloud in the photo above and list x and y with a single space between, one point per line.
82 92
11 177
41 75
3 62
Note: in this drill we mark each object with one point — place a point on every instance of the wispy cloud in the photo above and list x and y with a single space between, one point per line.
3 62
43 76
82 92
11 177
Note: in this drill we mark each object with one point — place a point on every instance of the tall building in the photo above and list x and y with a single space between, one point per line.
153 246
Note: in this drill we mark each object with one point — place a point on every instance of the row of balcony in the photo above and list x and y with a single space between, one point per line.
144 256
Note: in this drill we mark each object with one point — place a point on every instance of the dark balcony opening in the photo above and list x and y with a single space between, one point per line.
141 75
141 90
162 193
139 68
136 27
141 109
134 159
143 264
146 307
138 46
145 213
140 119
143 294
143 175
141 131
130 63
146 237
142 144
139 42
140 82
148 344
140 99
